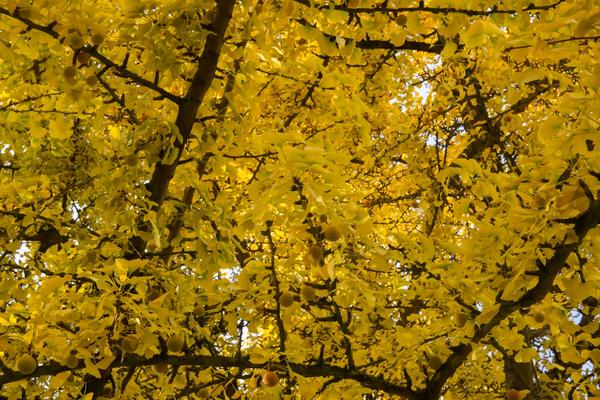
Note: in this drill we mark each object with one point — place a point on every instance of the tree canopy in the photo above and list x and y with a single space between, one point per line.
299 199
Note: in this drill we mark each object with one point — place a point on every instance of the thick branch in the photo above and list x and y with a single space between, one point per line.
368 44
432 10
188 108
203 77
308 371
133 77
121 70
583 224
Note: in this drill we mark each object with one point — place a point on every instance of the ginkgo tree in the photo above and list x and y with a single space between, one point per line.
299 199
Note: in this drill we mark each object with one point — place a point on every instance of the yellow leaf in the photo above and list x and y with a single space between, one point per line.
492 29
530 75
336 16
91 369
54 282
120 270
257 357
414 23
526 355
58 380
512 290
595 356
60 128
572 201
571 355
36 130
330 270
488 313
398 37
105 362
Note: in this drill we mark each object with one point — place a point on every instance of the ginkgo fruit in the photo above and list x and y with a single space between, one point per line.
131 160
332 233
308 293
203 393
70 72
129 344
539 317
83 57
26 364
316 254
269 379
434 362
75 40
97 39
175 343
91 80
512 394
286 299
71 361
161 368
401 20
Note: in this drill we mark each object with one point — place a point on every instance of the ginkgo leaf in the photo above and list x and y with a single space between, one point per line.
526 355
60 128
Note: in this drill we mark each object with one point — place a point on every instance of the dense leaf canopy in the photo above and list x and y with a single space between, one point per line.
299 199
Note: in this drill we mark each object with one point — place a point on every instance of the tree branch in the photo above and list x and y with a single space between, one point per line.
583 224
432 10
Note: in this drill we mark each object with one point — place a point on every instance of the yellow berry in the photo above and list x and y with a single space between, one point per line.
316 254
332 233
131 160
71 361
70 72
175 343
286 299
270 379
91 80
435 362
75 40
26 364
308 293
83 57
97 39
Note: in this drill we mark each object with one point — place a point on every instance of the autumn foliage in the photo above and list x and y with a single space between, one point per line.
299 199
